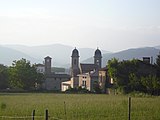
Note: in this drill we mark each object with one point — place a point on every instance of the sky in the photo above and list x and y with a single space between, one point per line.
112 25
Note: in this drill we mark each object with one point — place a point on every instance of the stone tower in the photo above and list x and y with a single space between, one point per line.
98 58
75 63
48 65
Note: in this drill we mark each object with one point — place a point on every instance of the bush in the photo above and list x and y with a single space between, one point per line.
77 90
3 106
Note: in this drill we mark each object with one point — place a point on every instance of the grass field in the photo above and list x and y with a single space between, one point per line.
78 106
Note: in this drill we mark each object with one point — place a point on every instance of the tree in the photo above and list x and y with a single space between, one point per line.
23 75
130 75
135 84
3 77
151 83
112 67
96 87
158 60
158 65
121 73
39 80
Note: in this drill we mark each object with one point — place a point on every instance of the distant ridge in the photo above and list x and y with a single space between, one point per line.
8 55
137 53
61 54
158 47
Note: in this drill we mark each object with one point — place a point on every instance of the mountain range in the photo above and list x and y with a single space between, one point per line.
61 54
136 53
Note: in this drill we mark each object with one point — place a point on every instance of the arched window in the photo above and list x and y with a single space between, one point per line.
97 61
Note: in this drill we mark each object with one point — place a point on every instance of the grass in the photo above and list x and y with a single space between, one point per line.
79 106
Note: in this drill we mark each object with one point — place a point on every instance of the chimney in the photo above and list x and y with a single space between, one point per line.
147 60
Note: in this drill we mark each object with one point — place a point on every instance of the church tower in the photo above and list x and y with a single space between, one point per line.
75 63
48 65
98 58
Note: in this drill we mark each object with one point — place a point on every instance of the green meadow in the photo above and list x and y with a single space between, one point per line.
19 106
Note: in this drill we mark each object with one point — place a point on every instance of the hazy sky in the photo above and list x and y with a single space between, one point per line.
113 25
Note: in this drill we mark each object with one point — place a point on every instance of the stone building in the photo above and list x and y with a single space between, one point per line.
105 82
82 74
40 68
53 81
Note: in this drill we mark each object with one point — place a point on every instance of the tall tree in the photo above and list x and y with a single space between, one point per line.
151 83
158 60
3 77
112 67
158 64
134 75
23 75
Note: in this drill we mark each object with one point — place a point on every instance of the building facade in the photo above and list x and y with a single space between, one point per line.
84 75
52 80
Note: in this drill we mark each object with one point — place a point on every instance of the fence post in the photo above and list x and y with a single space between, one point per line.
46 115
33 114
65 110
129 108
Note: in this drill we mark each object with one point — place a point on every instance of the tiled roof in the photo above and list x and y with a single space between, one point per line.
91 73
84 68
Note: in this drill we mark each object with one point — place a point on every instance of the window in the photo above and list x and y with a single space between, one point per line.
48 60
97 62
84 83
100 78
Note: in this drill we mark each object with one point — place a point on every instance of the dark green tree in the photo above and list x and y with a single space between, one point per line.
158 64
151 83
96 87
135 83
3 77
134 75
121 72
23 75
158 60
112 67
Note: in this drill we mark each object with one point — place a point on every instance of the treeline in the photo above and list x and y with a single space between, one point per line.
129 76
20 76
135 76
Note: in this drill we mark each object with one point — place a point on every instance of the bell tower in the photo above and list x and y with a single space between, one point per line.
75 63
48 65
98 58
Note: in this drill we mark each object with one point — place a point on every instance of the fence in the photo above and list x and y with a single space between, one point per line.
32 117
46 115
